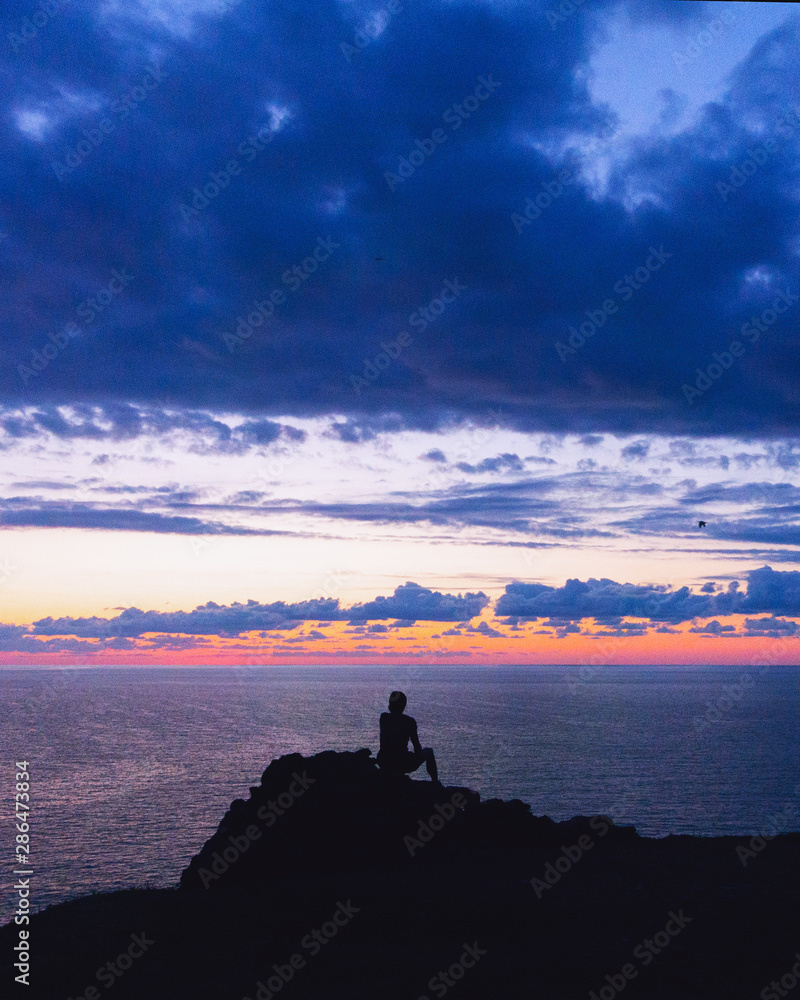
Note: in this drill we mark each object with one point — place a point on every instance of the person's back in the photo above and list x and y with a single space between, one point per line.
397 729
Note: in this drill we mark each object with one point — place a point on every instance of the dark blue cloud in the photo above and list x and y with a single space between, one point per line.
773 591
17 638
10 635
202 273
484 628
203 432
410 602
607 601
637 450
518 506
207 619
506 462
247 497
744 493
767 524
771 627
25 513
714 628
41 484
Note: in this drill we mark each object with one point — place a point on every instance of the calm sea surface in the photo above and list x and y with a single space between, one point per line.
133 768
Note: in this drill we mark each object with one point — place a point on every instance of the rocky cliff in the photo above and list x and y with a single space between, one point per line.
331 882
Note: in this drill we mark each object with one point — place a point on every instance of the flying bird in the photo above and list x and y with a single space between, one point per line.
701 524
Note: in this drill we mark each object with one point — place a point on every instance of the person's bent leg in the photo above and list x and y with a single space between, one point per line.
430 763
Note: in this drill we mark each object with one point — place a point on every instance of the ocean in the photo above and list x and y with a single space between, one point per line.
133 767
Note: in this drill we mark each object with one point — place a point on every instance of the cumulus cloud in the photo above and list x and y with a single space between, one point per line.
773 591
559 608
206 619
410 602
607 601
771 627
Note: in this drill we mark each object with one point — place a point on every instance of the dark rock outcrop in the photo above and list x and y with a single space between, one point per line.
331 882
336 812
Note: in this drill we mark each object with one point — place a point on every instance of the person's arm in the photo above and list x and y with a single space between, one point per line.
413 736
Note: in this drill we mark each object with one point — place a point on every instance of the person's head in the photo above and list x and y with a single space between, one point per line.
397 701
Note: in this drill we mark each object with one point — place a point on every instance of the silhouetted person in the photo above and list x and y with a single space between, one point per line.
397 729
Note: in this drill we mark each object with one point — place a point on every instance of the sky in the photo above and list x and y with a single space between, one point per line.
396 332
